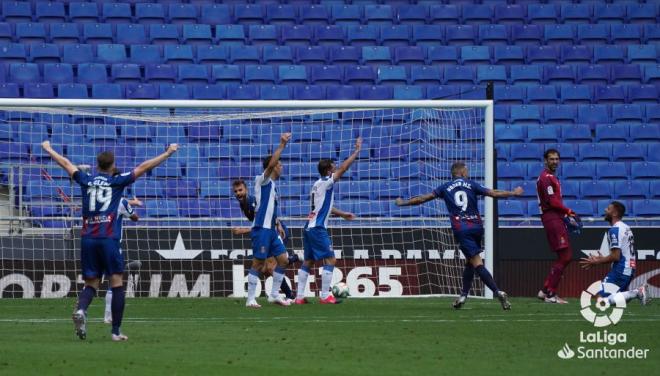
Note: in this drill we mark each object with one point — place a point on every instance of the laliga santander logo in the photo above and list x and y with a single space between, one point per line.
600 318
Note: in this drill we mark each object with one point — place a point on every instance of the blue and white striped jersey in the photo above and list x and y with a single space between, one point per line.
323 198
265 194
620 236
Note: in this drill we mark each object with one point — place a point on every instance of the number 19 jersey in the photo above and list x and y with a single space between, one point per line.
101 196
461 198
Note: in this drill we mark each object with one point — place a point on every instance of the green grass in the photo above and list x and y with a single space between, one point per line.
359 337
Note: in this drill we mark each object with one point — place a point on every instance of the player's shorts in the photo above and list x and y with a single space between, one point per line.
619 279
317 244
469 241
266 243
555 231
101 256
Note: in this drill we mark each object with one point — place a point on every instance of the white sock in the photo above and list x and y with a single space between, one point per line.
108 303
252 286
303 273
627 295
326 280
278 276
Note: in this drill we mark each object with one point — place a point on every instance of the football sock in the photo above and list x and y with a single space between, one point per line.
326 279
468 276
118 303
108 302
303 273
563 259
286 289
85 297
278 277
627 295
253 278
487 278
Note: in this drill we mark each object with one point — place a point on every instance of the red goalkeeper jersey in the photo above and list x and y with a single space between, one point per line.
549 193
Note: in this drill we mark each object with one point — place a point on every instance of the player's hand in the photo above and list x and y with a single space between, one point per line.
172 149
571 213
136 202
358 144
399 201
236 231
349 216
134 217
284 138
518 191
46 145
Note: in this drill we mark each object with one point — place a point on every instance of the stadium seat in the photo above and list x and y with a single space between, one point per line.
146 54
230 35
608 54
510 133
107 91
309 92
627 114
645 132
654 191
645 170
560 114
575 13
634 190
212 55
292 75
13 53
45 12
362 35
542 14
346 14
378 14
642 54
609 13
15 11
77 53
9 90
31 33
460 35
611 171
64 33
141 91
459 75
376 55
544 133
409 56
376 92
543 94
525 114
510 171
405 92
92 73
543 55
526 35
259 74
312 55
72 91
97 33
277 55
576 54
58 73
149 13
646 208
508 55
160 73
493 35
505 94
391 75
559 34
558 74
626 34
242 92
162 209
215 14
181 188
593 114
37 90
110 53
274 92
428 35
326 75
578 170
475 55
178 54
22 73
116 13
652 74
297 35
182 14
174 91
446 55
444 14
329 35
478 14
192 74
525 75
511 208
595 152
359 75
629 152
626 74
526 152
197 35
641 13
491 73
395 35
314 14
261 35
594 190
609 94
593 34
593 75
576 133
345 55
344 92
576 94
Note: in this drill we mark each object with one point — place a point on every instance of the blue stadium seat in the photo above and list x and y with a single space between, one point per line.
510 133
226 74
627 114
426 75
146 54
135 132
110 53
576 54
174 91
593 75
459 75
576 94
312 55
642 54
359 75
192 74
409 56
491 73
378 14
31 32
445 55
194 208
160 73
6 33
150 13
47 12
475 55
626 74
162 209
645 132
652 74
292 75
395 35
503 151
97 33
526 74
509 14
329 35
212 55
508 55
559 74
609 13
116 13
182 14
107 91
346 14
560 114
559 34
444 14
542 14
505 94
22 73
345 55
611 171
197 35
412 14
645 170
578 170
259 74
478 14
37 90
96 132
376 92
626 34
525 114
493 35
608 54
17 11
77 53
575 13
594 190
596 34
169 134
391 75
527 35
344 92
72 91
654 191
242 92
428 35
230 35
593 114
297 35
9 90
631 190
595 152
215 14
64 33
58 73
405 92
544 133
261 35
326 75
629 152
641 13
460 35
510 171
309 92
83 12
542 94
181 188
646 208
92 73
445 92
29 133
609 94
576 133
274 92
314 14
362 35
542 55
141 91
376 55
178 54
511 208
526 152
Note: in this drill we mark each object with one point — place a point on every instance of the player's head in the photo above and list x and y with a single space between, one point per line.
106 162
326 167
459 170
240 189
277 170
551 159
615 210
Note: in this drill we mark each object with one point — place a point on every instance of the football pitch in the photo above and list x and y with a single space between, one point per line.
422 336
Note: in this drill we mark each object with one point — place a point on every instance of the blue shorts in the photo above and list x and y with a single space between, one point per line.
317 244
619 279
469 241
101 256
266 243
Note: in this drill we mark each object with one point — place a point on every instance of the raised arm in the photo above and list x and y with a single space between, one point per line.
418 200
346 215
152 163
284 139
349 161
496 193
614 256
66 164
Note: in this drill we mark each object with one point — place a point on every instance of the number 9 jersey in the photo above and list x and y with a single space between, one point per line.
101 195
461 197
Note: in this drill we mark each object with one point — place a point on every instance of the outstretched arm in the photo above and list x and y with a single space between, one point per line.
614 256
59 159
496 193
346 215
240 230
418 200
284 139
149 165
349 161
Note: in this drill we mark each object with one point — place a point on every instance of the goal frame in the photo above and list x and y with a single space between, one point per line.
487 105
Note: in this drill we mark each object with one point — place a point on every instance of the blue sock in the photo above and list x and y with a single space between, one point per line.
118 301
85 297
468 276
487 278
286 289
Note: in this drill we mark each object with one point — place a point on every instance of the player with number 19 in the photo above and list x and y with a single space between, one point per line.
461 196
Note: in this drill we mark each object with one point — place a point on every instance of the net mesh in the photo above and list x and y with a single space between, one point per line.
183 239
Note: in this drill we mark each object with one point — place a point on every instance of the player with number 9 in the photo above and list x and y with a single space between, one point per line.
461 196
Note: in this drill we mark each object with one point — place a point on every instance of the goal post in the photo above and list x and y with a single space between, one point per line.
183 238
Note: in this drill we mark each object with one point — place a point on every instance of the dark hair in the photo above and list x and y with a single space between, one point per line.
550 151
456 168
238 182
324 166
266 161
619 207
105 160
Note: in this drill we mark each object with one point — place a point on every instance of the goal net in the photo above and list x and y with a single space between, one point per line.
183 246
